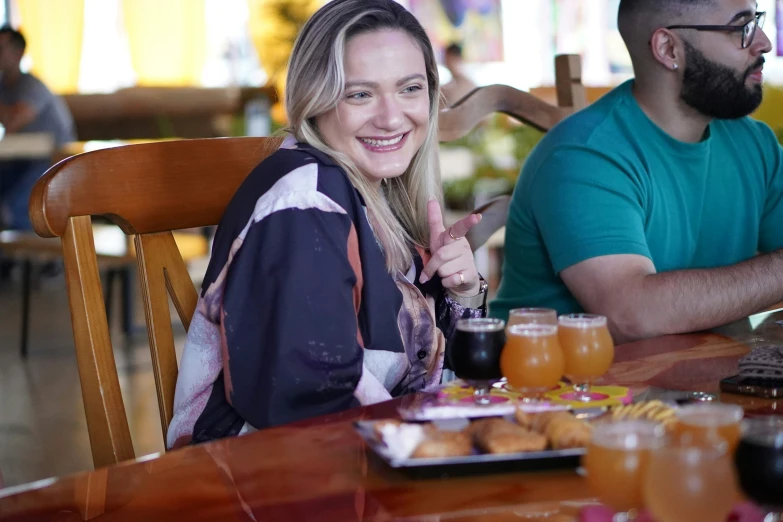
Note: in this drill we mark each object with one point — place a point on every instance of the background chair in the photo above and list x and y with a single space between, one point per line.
462 117
148 190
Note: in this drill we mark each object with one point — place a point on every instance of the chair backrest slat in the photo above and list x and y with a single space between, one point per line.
106 422
571 92
461 118
163 274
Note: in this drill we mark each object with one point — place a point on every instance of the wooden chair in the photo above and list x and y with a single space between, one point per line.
148 190
461 118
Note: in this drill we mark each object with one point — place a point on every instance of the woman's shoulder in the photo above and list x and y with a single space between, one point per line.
293 177
300 168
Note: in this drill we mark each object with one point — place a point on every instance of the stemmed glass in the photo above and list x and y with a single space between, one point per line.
616 462
473 352
701 422
588 349
532 316
690 483
759 462
532 360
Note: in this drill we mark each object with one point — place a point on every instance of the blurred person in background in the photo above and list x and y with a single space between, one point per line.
26 106
460 84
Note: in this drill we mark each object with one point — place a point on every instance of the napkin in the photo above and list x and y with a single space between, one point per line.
763 362
745 512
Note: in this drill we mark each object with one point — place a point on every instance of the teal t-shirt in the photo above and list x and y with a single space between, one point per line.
607 180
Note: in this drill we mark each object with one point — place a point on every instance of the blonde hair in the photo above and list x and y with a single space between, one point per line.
315 85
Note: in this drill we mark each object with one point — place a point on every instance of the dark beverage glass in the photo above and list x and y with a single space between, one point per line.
473 352
759 461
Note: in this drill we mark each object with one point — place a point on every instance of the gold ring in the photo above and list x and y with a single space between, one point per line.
461 279
454 238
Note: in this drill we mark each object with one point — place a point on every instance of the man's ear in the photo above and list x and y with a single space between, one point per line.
666 49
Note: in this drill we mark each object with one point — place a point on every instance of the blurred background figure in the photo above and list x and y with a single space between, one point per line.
460 84
26 105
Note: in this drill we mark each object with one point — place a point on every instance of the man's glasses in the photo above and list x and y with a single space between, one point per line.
747 30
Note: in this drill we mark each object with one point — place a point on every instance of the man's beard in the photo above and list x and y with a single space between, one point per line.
716 90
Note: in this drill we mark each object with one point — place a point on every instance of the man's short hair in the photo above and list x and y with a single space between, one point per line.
454 49
17 38
628 7
637 19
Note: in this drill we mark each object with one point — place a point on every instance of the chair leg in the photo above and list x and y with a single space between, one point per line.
26 276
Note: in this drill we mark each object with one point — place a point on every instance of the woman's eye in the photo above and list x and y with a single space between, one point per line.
358 96
412 88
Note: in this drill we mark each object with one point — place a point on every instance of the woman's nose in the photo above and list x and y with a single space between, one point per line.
390 114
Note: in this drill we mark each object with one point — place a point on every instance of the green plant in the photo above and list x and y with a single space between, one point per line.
500 147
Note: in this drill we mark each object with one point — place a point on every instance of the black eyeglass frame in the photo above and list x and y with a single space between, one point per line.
757 21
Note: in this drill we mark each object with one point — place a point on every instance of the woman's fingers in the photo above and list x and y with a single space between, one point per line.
458 274
461 228
443 255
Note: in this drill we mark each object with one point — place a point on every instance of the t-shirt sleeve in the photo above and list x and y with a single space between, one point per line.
586 205
771 226
34 93
292 343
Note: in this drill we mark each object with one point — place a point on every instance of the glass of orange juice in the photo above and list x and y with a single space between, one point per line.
700 423
532 360
532 316
616 462
690 483
588 349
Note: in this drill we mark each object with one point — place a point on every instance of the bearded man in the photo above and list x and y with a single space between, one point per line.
659 206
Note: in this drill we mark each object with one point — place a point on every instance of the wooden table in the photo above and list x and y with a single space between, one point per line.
318 470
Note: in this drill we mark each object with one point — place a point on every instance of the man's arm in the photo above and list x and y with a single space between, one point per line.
17 116
642 303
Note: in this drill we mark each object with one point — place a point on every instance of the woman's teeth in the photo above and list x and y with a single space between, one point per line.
382 143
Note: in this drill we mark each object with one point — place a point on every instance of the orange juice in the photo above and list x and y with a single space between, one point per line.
531 316
588 349
703 423
617 460
702 434
690 484
615 475
532 358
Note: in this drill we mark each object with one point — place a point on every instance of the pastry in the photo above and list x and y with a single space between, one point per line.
561 428
502 436
440 444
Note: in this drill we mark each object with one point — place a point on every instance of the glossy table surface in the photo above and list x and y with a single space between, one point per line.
319 470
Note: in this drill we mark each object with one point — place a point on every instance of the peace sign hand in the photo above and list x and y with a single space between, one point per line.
452 257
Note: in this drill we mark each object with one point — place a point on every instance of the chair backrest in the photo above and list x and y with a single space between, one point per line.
148 190
461 118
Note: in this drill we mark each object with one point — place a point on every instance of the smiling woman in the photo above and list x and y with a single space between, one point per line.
333 281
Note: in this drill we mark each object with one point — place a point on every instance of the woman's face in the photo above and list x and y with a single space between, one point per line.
382 120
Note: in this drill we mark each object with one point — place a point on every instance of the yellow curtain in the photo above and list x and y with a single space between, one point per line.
53 31
167 39
273 26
